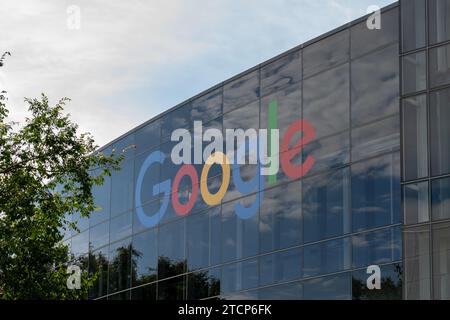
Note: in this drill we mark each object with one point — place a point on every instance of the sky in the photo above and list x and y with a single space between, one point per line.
124 62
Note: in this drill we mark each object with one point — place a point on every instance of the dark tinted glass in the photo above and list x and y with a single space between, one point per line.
144 258
243 118
241 91
365 40
440 132
328 288
417 263
376 138
122 296
239 236
415 135
439 21
375 85
120 227
440 199
99 235
440 66
98 264
326 101
281 73
378 247
171 249
151 177
327 257
290 291
239 276
391 284
376 192
329 152
126 146
149 209
102 198
197 241
119 266
280 267
148 136
281 109
414 68
415 205
280 224
326 208
207 107
122 189
177 119
147 293
204 284
441 257
326 53
172 289
413 24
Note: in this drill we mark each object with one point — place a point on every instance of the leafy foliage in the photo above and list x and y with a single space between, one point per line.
46 174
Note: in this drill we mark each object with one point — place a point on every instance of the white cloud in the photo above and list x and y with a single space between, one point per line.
133 59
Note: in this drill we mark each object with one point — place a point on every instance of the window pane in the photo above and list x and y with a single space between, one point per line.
204 284
281 109
172 289
80 244
147 293
98 264
439 20
239 276
440 132
328 288
416 203
329 257
149 210
378 247
119 266
171 249
197 240
148 136
417 263
440 199
326 53
99 235
122 189
375 96
241 91
391 284
415 135
440 66
365 40
207 107
290 291
376 138
243 118
413 24
281 73
102 198
326 211
125 146
144 259
280 267
176 119
441 261
326 101
120 227
376 192
239 237
414 72
329 152
280 218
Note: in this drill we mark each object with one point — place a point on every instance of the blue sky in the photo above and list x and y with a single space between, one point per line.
131 60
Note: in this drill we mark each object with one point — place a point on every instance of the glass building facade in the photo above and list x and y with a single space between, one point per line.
378 192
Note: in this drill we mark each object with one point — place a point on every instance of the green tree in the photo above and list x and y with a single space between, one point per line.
46 174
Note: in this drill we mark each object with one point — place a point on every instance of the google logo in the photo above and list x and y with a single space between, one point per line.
230 169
